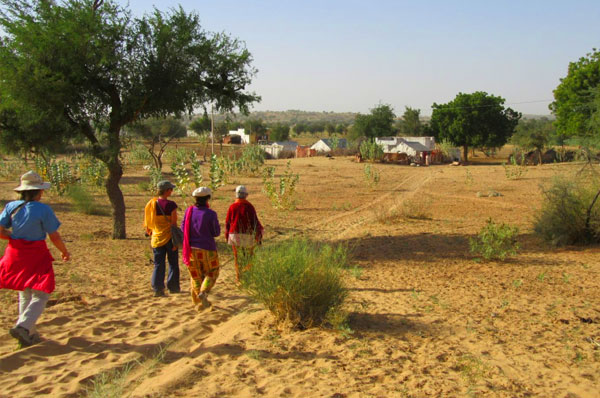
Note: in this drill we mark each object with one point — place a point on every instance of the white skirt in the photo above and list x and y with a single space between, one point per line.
242 240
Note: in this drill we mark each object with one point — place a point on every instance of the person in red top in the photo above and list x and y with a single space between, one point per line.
243 230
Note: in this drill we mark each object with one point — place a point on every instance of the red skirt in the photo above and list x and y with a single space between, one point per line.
27 264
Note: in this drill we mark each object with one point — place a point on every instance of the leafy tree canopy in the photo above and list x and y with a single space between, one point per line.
279 132
575 98
410 124
478 119
379 123
87 68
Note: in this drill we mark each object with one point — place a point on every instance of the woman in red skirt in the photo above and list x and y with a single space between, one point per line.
27 263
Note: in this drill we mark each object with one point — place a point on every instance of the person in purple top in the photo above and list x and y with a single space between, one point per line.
200 227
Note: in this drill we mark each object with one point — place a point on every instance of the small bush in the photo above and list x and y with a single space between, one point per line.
83 201
569 214
371 151
418 208
495 241
282 195
298 281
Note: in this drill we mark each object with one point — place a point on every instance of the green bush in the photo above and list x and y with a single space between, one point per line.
298 281
83 201
570 213
371 151
495 241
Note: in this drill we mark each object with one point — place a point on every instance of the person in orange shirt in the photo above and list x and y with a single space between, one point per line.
159 214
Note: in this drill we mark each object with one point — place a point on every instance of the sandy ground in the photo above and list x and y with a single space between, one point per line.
426 318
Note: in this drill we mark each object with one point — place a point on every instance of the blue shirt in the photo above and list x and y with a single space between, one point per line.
32 222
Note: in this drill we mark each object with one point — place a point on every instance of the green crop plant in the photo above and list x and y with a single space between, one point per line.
372 176
282 194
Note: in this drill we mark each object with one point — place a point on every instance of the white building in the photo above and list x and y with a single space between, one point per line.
275 148
242 133
412 146
328 144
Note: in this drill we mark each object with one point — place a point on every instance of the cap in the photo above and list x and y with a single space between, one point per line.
164 185
202 191
241 189
32 181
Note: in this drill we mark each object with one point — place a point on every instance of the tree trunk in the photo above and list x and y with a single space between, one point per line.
115 195
465 153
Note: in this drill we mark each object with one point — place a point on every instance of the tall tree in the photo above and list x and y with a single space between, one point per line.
88 68
533 134
411 122
379 123
279 132
158 133
474 120
255 126
575 97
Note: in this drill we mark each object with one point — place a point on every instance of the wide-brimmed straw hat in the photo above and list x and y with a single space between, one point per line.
32 181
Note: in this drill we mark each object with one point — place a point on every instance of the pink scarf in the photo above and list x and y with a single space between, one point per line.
187 249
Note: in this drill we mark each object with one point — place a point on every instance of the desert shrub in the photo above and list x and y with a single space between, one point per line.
282 195
139 154
91 171
385 213
10 170
495 241
516 167
371 151
372 176
570 213
418 208
58 173
83 201
298 281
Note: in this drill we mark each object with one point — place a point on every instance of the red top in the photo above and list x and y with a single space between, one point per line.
242 219
27 264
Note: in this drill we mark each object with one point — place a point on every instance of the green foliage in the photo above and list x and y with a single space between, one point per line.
158 133
10 170
515 169
280 132
474 120
155 176
139 154
570 213
371 176
83 201
201 125
533 134
252 159
298 281
86 69
371 151
57 172
380 123
91 171
495 241
410 125
216 174
576 101
281 195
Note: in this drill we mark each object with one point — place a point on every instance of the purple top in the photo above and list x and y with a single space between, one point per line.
204 228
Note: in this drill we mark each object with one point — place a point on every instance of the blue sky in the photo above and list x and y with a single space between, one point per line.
351 55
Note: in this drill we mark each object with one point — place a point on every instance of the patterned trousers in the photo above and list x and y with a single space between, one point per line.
204 271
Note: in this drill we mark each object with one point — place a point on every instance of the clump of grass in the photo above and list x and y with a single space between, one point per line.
570 213
495 241
83 201
298 281
109 384
417 208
